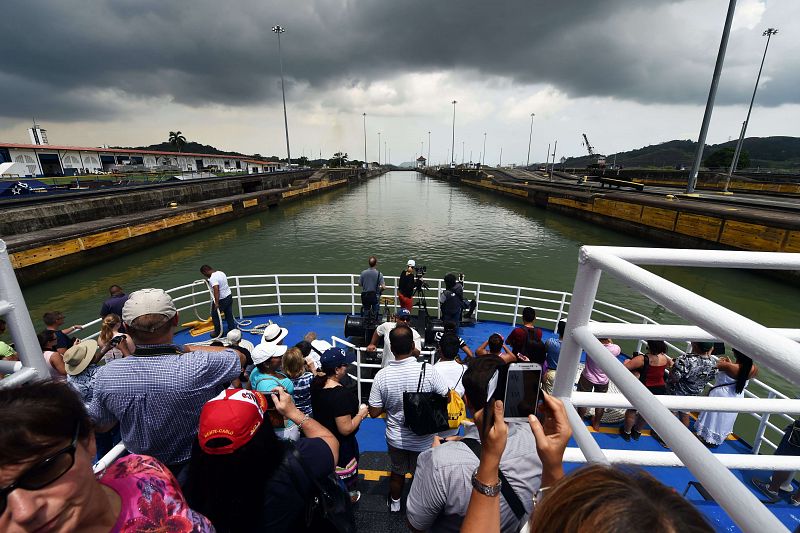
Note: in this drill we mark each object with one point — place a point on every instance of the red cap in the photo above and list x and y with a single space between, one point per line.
230 420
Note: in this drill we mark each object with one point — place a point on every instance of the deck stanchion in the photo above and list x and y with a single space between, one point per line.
316 295
516 307
352 294
278 295
239 297
477 299
762 426
561 307
18 319
587 280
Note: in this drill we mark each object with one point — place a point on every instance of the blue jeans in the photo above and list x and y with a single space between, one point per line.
226 306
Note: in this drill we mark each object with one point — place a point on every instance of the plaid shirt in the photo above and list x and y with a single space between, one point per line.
157 399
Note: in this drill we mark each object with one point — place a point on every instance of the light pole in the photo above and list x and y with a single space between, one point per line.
453 145
483 161
379 148
278 30
530 138
553 164
712 94
429 148
422 149
500 165
385 160
768 33
547 160
364 115
462 152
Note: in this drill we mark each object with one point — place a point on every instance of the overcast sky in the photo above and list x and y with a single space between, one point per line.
628 73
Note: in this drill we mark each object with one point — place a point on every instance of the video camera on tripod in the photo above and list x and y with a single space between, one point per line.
419 278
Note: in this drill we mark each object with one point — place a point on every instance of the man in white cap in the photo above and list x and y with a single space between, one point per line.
158 392
405 286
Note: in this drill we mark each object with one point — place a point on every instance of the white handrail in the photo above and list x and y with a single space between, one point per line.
766 346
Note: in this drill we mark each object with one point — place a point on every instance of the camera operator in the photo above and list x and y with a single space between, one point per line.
405 286
451 299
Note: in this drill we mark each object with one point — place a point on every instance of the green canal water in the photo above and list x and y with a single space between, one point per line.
399 216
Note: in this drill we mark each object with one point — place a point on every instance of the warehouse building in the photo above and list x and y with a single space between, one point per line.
53 160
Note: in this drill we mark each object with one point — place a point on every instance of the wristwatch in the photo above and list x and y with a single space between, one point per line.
486 490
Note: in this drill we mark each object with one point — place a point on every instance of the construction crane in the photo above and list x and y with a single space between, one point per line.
598 161
588 145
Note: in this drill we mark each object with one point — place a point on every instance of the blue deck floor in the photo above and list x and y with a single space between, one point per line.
371 434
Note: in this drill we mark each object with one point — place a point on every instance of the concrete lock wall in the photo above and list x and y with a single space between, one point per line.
46 240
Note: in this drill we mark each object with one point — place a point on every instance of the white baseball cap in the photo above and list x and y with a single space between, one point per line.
412 263
148 302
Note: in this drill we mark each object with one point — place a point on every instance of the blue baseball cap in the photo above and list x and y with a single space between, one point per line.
403 313
335 357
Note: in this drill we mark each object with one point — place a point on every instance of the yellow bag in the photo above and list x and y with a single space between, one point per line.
456 409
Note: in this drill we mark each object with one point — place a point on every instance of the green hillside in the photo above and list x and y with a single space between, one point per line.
765 152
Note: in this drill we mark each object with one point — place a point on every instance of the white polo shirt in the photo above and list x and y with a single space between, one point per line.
218 278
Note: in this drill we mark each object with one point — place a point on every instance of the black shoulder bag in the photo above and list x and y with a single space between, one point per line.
329 509
513 501
425 412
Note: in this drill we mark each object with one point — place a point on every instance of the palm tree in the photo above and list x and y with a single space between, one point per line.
177 140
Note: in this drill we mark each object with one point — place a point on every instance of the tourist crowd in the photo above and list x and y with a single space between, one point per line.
241 437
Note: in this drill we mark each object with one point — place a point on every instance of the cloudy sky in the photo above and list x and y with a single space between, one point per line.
628 73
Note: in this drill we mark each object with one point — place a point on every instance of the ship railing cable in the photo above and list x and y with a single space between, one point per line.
770 349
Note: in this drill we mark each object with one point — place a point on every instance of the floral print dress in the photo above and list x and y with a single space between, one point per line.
152 500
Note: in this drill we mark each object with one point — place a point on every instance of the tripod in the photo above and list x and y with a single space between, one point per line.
422 304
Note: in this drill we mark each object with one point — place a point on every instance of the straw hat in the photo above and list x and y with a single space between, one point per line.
78 357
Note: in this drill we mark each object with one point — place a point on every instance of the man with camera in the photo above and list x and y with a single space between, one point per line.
451 299
405 286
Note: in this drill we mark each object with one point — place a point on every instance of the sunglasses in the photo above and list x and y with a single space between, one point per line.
44 472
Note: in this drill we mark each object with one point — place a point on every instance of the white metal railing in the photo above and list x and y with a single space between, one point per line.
769 348
339 293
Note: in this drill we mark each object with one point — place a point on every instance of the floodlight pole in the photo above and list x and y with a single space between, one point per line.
530 138
364 116
483 161
429 149
379 148
278 30
712 94
453 145
768 33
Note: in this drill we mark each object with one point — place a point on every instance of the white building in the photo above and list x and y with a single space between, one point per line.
54 160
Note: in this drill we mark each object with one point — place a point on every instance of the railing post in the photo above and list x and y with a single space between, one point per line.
561 307
516 307
278 295
316 294
239 297
477 299
358 372
352 294
587 279
762 426
19 320
640 342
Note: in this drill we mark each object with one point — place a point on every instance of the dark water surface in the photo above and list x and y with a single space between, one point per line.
399 216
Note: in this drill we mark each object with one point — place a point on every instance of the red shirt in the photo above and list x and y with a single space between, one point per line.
516 339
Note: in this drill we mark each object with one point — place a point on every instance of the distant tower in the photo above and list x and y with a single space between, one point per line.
37 134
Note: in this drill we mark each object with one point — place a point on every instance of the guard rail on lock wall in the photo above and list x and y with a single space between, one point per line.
276 294
773 349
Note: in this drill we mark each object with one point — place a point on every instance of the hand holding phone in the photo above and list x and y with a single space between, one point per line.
552 437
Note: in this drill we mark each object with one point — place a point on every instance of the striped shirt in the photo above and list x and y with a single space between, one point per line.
387 393
302 392
157 399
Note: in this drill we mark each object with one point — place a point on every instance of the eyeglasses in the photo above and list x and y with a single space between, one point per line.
44 472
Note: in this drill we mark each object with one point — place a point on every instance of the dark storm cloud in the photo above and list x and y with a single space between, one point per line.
56 55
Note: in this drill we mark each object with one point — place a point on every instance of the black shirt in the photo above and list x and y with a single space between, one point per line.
328 404
284 500
405 284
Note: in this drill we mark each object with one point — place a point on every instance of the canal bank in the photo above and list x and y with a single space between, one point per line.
677 221
49 239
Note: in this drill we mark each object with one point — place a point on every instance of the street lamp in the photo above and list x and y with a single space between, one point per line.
462 152
278 30
768 33
379 148
429 148
364 115
453 145
712 94
530 138
483 161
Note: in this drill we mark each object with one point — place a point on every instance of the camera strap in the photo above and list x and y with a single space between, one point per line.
513 501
